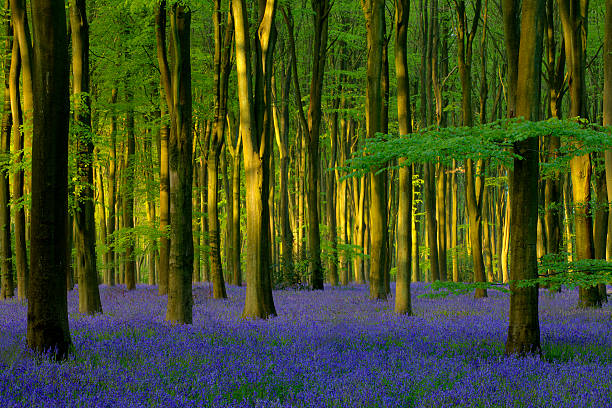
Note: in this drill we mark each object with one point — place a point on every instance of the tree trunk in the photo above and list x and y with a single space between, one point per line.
112 188
454 216
403 304
164 180
47 321
524 328
607 109
256 149
330 196
282 141
374 14
573 15
18 187
177 85
128 193
234 143
6 286
222 65
600 230
85 237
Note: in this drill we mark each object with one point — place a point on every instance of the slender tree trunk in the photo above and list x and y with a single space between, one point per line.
282 141
164 180
234 143
203 177
18 187
112 188
128 193
197 231
441 218
102 216
415 236
403 304
374 14
607 110
331 204
6 286
222 65
152 255
573 15
85 237
454 219
600 230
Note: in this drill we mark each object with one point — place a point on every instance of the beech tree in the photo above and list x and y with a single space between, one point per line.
177 86
47 304
85 225
255 121
524 329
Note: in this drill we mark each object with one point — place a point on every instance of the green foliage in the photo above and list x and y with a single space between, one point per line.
492 141
554 272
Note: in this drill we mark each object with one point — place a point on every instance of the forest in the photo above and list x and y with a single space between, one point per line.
290 203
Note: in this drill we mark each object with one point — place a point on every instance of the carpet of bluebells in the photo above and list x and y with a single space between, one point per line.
325 349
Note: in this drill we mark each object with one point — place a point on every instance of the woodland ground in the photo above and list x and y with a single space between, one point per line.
325 349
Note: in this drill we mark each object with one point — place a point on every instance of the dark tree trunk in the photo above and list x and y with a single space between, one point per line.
47 324
85 237
180 148
524 327
6 285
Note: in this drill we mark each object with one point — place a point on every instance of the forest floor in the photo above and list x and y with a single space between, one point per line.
333 348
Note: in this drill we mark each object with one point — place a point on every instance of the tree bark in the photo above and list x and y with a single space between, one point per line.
128 192
164 180
373 11
254 109
47 320
573 15
403 304
180 147
524 328
10 64
222 66
85 237
607 109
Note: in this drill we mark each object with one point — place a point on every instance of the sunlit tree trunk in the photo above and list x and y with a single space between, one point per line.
403 304
256 148
153 252
164 180
373 11
573 14
18 185
6 285
341 201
